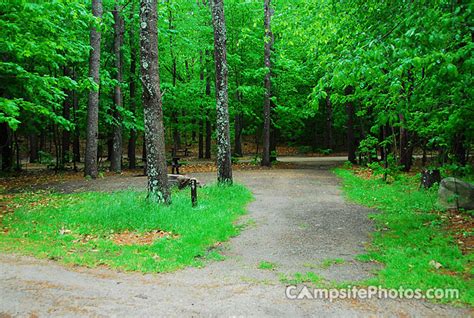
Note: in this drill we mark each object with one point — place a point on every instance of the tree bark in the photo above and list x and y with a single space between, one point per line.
158 189
329 119
174 113
132 142
6 147
93 103
267 84
238 122
201 121
76 146
116 158
208 121
66 135
459 149
238 134
207 154
406 149
224 164
351 141
33 147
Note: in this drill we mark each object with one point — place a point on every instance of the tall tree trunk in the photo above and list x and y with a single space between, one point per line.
459 148
6 147
116 158
132 142
174 113
267 84
208 121
201 139
76 146
17 152
66 135
273 136
110 144
238 134
224 164
207 154
351 140
158 189
144 155
329 119
238 122
33 147
406 149
201 121
93 103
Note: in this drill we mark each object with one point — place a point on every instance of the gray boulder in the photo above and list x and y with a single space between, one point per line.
454 193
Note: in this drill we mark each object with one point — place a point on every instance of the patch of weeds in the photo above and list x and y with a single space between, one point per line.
299 278
303 226
80 228
310 265
267 265
331 261
325 264
248 224
411 240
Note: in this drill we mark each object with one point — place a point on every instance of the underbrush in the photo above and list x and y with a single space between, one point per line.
413 239
82 228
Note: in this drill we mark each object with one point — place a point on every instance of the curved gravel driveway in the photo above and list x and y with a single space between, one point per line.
298 220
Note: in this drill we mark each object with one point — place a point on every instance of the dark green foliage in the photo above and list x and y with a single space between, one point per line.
408 63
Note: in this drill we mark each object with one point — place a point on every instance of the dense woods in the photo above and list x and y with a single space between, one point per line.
125 126
384 81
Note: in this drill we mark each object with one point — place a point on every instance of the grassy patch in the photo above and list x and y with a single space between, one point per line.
267 265
411 239
80 228
325 264
300 278
331 261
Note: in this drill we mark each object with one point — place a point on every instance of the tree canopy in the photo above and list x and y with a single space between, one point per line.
389 77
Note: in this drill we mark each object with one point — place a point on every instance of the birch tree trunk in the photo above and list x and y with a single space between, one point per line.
93 102
224 165
116 158
267 84
158 189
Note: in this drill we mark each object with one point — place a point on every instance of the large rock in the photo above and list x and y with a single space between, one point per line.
455 193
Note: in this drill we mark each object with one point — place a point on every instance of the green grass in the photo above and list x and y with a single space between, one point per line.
331 261
300 278
267 265
77 228
410 236
325 264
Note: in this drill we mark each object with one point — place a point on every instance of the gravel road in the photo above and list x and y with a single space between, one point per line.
298 220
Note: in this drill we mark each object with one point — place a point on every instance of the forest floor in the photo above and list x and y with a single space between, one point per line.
298 223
